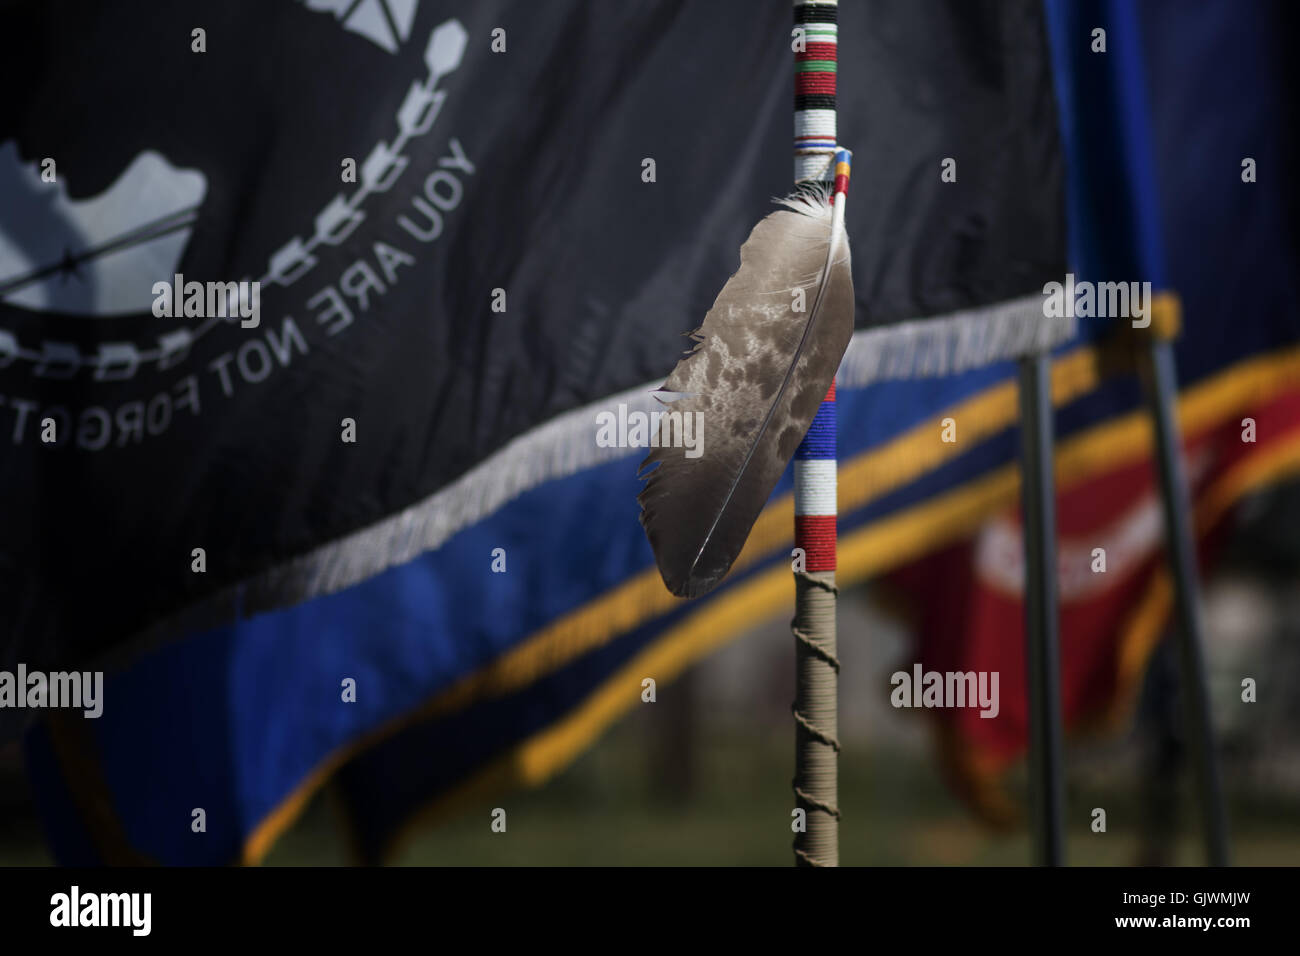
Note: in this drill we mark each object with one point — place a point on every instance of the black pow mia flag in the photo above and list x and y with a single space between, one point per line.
139 424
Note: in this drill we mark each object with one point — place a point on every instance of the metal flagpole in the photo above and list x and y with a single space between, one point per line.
1042 654
816 765
1162 393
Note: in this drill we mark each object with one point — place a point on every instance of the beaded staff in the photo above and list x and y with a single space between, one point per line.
816 159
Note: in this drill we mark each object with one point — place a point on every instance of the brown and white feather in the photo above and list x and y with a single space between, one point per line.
757 374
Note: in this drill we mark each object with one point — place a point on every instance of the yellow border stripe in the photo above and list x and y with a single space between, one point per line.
874 548
640 598
881 546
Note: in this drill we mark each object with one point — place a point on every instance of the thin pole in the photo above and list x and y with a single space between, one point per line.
1038 501
1162 391
816 703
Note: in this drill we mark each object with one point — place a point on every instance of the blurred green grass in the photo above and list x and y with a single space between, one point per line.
631 800
609 808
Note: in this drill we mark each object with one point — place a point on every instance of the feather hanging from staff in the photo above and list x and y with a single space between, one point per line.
763 361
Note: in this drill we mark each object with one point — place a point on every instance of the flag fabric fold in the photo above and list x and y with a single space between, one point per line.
380 522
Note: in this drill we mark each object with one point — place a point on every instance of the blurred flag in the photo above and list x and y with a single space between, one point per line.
1167 133
467 245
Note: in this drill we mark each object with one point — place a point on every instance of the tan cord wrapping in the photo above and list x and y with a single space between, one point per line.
817 726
